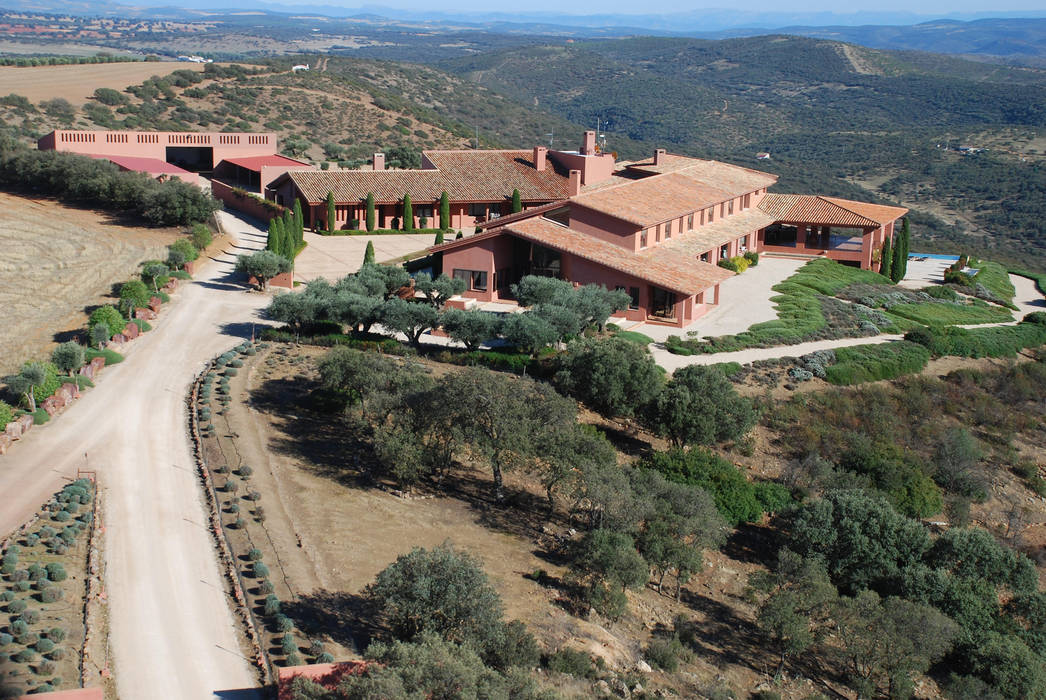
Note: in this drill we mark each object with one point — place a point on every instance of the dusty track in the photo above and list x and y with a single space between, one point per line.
172 632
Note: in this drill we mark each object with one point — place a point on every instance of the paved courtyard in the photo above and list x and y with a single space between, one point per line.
743 300
333 257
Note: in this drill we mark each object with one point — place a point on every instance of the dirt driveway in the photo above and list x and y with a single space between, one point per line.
171 624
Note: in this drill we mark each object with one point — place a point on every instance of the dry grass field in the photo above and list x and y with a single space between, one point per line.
57 261
77 83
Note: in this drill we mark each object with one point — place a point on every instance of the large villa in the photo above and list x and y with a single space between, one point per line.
657 228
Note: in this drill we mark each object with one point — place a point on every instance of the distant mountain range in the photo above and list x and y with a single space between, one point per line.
1020 39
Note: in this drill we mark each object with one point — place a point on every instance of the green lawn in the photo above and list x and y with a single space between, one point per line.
635 337
995 278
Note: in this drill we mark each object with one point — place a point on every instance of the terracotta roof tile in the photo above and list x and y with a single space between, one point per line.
658 265
258 162
467 176
828 211
676 187
717 233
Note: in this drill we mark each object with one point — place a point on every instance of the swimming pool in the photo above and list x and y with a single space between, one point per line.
933 256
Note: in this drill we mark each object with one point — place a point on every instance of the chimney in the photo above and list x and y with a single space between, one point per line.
540 154
659 156
588 145
575 182
379 161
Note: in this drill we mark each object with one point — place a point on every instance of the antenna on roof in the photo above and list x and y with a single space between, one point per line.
551 137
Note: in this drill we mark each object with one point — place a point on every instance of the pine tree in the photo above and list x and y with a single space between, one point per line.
299 221
331 216
886 259
408 214
517 202
368 255
444 211
371 214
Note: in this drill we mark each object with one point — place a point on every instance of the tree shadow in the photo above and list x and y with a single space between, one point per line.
723 635
753 544
346 618
76 335
242 329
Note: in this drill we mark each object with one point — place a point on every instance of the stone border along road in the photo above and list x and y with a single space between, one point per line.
1027 299
172 631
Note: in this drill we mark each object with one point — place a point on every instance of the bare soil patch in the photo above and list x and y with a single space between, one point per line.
332 531
78 83
58 262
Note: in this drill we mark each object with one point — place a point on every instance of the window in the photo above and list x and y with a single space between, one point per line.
724 251
722 209
704 257
668 230
730 207
690 222
642 239
702 217
475 279
478 211
633 292
746 201
423 210
657 234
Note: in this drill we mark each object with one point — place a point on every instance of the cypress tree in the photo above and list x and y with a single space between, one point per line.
906 239
371 214
277 226
299 221
517 202
408 214
289 246
272 242
331 216
886 259
368 255
444 211
439 237
897 266
290 228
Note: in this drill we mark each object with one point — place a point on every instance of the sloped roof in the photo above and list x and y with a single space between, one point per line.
258 162
717 233
153 166
467 176
658 265
677 186
828 211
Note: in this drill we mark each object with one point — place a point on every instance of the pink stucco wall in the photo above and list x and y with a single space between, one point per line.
153 144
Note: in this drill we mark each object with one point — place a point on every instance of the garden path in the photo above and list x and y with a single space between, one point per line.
172 631
1027 299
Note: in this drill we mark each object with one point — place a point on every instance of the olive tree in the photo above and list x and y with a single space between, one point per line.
68 357
699 406
262 266
470 328
437 291
409 318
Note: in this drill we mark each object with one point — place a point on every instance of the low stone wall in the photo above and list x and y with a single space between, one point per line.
225 555
95 600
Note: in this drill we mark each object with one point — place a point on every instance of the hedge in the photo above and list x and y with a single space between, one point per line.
380 232
111 356
869 363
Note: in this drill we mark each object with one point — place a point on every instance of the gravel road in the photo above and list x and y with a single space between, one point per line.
172 632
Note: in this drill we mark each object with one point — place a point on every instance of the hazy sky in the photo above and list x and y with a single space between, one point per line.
923 7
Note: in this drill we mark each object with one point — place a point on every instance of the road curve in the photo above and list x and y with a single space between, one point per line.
172 632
